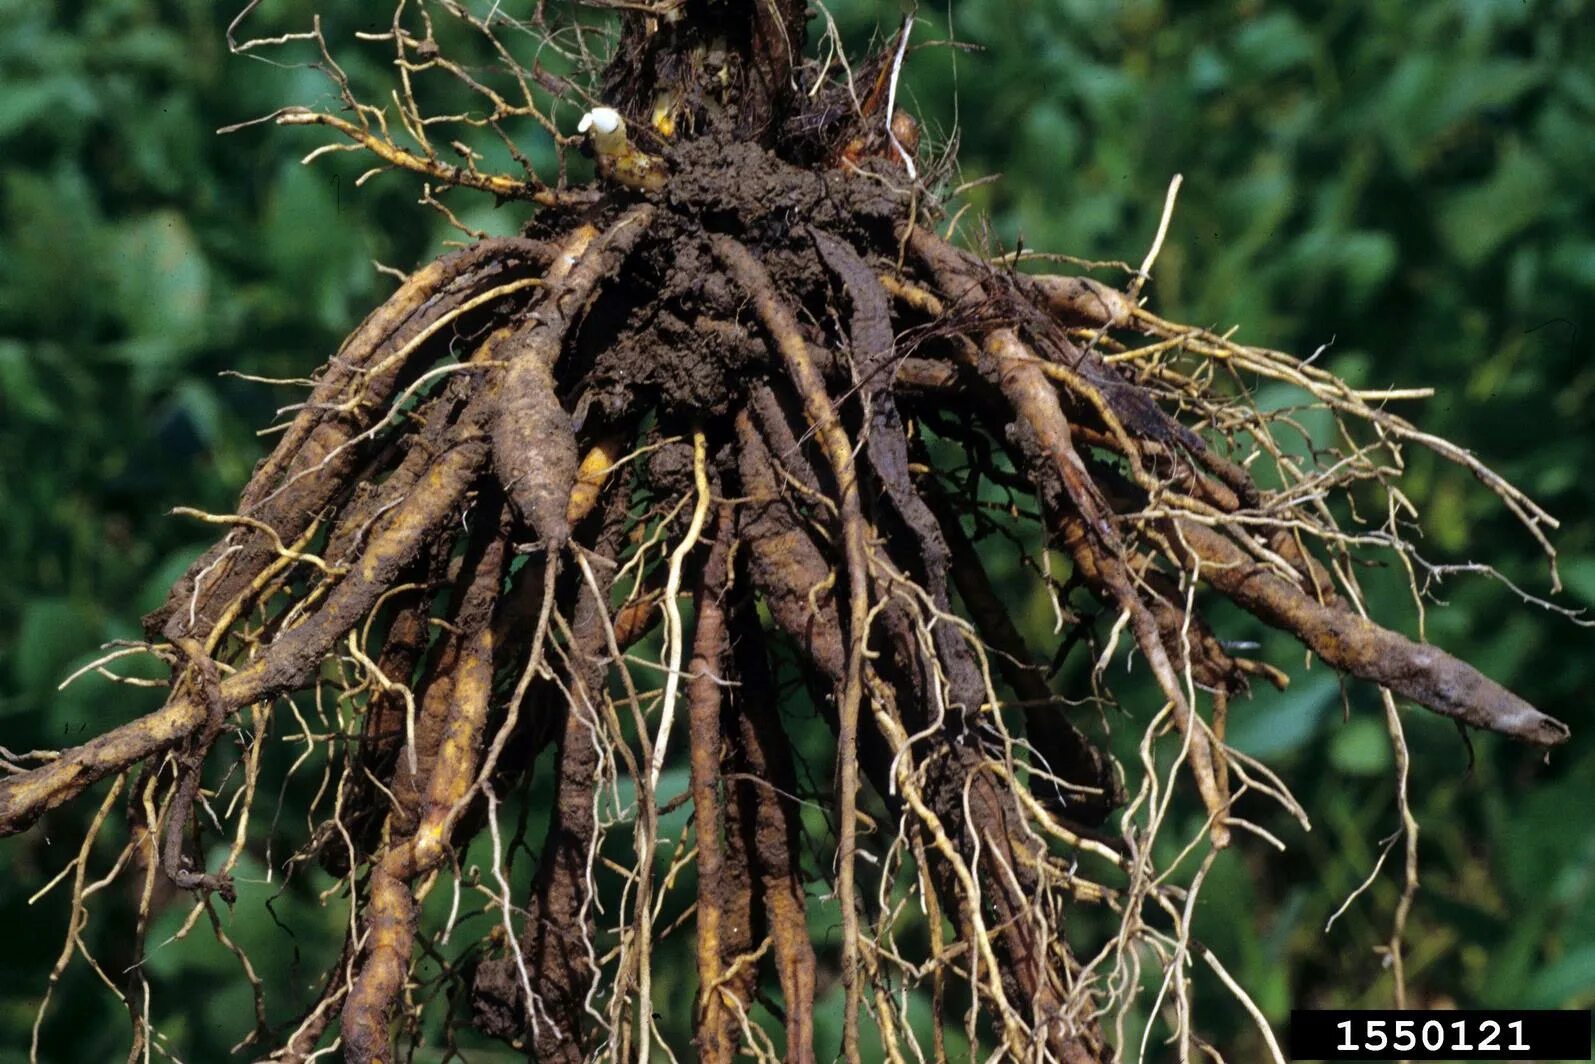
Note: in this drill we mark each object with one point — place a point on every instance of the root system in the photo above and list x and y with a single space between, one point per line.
628 487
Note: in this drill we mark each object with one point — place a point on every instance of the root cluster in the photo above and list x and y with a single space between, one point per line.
618 487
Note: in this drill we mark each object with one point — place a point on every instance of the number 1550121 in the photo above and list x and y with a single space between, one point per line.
1332 1034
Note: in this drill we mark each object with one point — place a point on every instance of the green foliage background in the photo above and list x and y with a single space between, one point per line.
1410 180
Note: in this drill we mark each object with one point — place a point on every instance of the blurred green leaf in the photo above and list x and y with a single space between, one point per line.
1567 982
163 288
53 101
52 632
1540 842
305 239
22 395
1278 724
1579 576
1272 43
1428 93
1361 747
55 262
1479 220
1367 259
